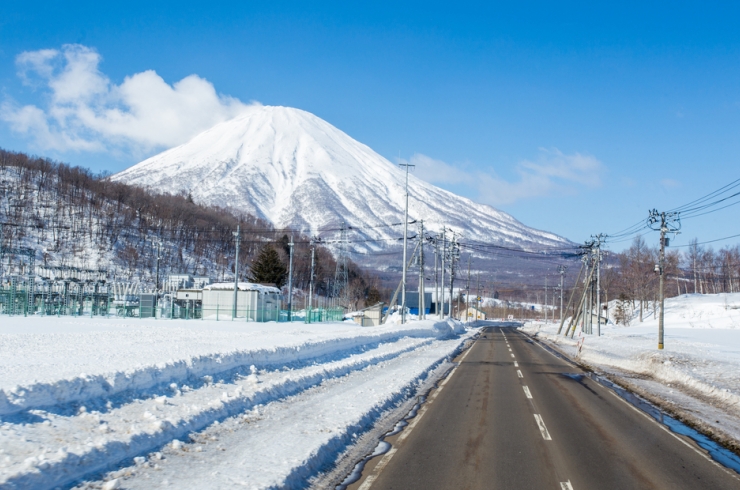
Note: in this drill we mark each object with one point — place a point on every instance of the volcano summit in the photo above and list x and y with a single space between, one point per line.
297 171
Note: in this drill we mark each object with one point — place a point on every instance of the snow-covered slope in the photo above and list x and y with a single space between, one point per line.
296 170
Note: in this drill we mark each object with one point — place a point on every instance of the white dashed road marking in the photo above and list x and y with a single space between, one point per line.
543 429
565 485
527 392
519 373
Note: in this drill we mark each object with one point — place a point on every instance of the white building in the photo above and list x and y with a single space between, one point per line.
254 302
370 316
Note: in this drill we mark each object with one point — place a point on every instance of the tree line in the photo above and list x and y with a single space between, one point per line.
76 218
632 277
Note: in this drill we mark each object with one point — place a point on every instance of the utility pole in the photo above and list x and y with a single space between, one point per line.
694 252
590 318
599 240
561 270
436 275
592 287
290 280
422 288
444 260
310 283
545 299
478 299
238 238
405 238
669 223
453 257
467 293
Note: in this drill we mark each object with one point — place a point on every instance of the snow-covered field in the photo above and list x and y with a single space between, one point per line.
697 372
199 404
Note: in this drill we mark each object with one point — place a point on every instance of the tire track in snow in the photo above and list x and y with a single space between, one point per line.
39 460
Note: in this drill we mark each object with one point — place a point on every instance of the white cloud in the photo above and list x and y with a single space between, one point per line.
552 173
38 61
86 111
437 171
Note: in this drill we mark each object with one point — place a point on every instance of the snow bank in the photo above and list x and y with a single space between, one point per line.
44 366
58 429
291 446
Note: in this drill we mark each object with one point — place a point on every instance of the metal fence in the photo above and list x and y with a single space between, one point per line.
21 301
18 300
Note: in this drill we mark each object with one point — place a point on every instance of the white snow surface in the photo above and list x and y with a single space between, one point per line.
80 396
701 354
296 170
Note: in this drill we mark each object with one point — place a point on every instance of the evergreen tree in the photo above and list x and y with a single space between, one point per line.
268 268
373 297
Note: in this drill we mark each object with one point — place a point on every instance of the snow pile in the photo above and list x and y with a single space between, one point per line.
42 369
444 327
147 383
701 347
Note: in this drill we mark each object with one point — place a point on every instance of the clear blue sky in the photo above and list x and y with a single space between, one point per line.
646 94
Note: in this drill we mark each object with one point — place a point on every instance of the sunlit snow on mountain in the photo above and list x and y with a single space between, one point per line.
296 170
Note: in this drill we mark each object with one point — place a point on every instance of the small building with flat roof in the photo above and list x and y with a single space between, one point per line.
254 302
370 316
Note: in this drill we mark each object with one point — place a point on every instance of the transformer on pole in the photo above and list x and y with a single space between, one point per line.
665 222
598 240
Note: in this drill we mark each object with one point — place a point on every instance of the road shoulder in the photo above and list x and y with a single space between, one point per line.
690 407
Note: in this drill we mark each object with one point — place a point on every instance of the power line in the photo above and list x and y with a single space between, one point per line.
712 194
708 241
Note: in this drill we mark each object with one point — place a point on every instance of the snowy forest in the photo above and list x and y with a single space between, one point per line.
75 218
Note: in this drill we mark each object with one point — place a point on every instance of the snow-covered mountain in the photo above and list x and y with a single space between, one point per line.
298 171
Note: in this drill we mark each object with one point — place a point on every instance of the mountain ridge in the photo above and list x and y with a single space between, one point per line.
296 170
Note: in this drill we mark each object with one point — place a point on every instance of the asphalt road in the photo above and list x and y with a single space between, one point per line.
514 416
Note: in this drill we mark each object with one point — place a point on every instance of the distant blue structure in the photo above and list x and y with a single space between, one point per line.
412 302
